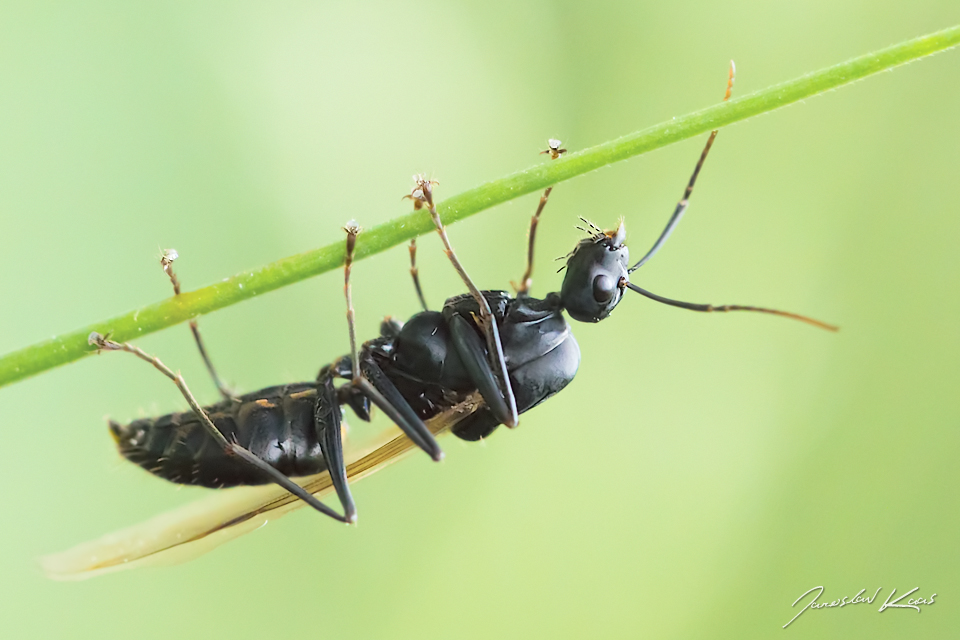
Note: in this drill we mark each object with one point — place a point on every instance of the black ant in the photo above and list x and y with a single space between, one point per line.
515 351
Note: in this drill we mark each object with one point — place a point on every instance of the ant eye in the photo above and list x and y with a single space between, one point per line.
603 288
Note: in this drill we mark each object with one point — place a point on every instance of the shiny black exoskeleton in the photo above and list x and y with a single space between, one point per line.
275 424
540 351
420 359
516 352
423 360
419 369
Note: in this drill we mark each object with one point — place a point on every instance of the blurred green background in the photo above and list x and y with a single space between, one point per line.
702 471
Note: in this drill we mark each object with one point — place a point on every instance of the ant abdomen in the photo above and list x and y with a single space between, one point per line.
275 424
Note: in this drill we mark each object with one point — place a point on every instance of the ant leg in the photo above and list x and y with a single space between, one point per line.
327 423
231 448
372 381
422 195
166 262
377 386
469 347
415 274
682 205
526 281
348 394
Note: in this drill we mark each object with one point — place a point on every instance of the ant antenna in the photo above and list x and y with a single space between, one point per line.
730 307
682 205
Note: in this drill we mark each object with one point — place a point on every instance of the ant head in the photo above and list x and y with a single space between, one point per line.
596 275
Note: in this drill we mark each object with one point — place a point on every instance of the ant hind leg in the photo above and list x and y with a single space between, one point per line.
231 448
166 262
327 422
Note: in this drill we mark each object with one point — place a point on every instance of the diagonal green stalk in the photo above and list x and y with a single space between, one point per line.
72 346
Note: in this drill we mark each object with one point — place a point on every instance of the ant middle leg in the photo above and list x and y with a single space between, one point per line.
367 376
415 274
230 448
504 403
166 262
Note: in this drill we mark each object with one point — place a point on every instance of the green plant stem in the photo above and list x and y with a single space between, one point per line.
72 346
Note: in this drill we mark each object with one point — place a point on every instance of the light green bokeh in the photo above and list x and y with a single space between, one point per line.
698 476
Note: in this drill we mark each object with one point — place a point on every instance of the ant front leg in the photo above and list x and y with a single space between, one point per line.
166 262
526 281
483 368
230 448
